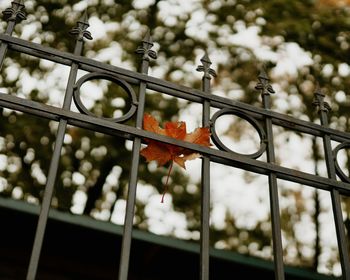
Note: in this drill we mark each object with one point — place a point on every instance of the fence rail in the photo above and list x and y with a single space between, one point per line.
262 119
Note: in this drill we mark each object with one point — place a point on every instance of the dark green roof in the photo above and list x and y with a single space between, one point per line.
86 223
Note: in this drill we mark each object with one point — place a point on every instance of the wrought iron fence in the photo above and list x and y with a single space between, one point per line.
262 119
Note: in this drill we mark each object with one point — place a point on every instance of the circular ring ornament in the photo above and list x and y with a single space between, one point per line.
338 170
124 85
250 120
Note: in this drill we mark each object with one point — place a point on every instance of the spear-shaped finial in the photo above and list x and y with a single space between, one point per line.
264 83
80 30
319 100
146 48
263 74
148 39
206 59
84 18
318 91
15 12
205 67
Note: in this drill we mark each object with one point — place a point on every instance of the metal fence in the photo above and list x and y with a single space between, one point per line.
262 119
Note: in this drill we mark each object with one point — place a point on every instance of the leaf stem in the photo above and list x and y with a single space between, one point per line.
166 182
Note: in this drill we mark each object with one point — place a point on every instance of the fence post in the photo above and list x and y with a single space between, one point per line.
147 53
12 15
323 110
205 197
80 33
266 90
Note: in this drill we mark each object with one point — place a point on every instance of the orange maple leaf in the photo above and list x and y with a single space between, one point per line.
163 153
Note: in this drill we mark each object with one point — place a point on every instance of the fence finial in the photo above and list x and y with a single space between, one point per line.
80 30
264 83
84 18
146 48
319 100
15 12
263 74
205 67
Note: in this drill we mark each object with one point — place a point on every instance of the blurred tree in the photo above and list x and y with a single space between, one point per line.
238 34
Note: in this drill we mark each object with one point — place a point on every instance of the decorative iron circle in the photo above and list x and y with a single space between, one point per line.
250 120
124 85
338 170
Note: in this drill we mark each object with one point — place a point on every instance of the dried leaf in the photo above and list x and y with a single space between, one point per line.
163 153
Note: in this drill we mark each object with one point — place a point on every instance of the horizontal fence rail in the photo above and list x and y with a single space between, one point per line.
128 132
262 119
175 90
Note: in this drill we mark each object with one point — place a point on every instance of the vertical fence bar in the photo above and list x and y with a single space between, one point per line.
323 109
80 32
12 15
316 215
205 197
147 53
266 89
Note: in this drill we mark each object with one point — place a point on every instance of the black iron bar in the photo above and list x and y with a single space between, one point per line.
266 90
323 109
205 176
54 164
135 158
45 206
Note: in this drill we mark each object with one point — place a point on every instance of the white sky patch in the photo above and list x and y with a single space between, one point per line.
300 147
162 219
198 27
46 64
218 216
304 229
97 28
78 202
78 178
191 114
344 69
12 73
231 190
327 70
5 4
89 93
177 7
144 192
67 139
113 177
3 184
291 57
3 162
55 97
30 29
193 167
118 214
142 4
28 82
38 174
111 54
80 6
247 37
17 193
